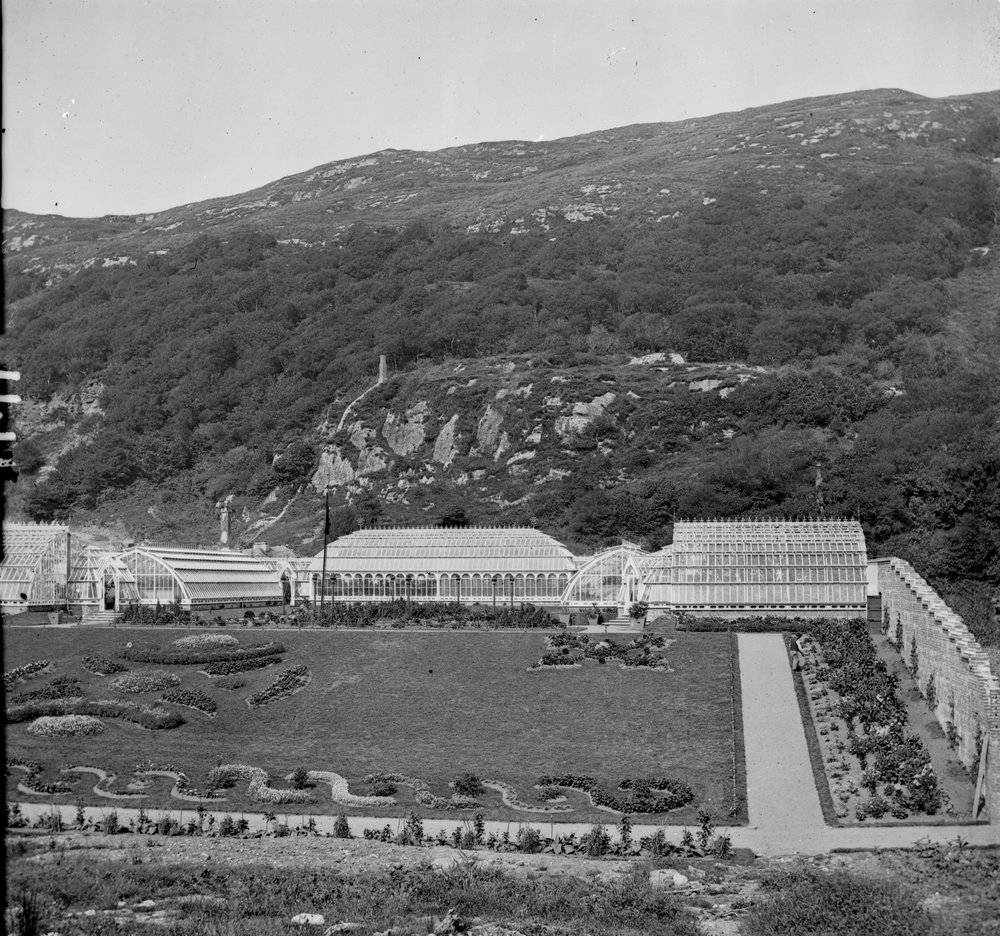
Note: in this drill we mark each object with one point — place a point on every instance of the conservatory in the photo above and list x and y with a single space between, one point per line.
738 567
35 568
201 579
100 581
446 564
612 577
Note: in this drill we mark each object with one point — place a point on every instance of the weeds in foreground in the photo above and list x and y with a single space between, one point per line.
260 901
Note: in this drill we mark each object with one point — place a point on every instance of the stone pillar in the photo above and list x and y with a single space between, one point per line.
383 370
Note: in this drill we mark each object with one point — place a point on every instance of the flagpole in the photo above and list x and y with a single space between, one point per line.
326 534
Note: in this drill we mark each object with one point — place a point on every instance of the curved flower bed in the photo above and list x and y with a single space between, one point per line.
66 687
102 666
31 784
510 799
187 656
148 681
182 789
565 651
422 793
103 778
206 642
340 792
23 672
231 667
288 683
648 796
66 726
192 698
259 789
145 716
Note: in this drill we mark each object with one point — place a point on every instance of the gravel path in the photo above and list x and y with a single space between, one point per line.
781 792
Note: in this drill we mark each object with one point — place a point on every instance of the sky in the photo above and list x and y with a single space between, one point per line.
135 106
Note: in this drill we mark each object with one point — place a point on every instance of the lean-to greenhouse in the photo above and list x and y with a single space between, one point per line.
201 579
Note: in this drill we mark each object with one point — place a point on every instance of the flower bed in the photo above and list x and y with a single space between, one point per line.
565 650
65 687
230 667
849 688
230 683
103 779
148 681
340 792
422 793
510 799
102 666
287 683
66 726
206 642
31 783
259 789
10 677
145 716
192 698
187 656
656 795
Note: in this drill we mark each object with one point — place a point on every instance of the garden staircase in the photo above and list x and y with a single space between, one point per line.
98 618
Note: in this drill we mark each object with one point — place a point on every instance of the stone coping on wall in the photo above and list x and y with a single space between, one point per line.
965 643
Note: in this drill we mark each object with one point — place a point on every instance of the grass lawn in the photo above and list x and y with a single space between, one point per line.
428 705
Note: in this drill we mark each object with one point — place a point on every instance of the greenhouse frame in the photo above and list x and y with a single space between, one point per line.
100 581
739 567
35 570
477 564
201 579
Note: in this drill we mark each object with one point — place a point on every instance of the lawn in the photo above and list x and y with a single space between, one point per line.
428 705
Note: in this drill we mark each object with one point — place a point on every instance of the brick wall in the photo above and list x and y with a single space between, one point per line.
967 693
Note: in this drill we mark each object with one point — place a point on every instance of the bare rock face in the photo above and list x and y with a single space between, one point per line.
445 448
488 432
405 434
583 415
334 470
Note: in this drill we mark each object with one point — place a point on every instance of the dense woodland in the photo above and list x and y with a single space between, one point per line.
870 307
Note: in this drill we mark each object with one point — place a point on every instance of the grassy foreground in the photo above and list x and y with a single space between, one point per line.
428 705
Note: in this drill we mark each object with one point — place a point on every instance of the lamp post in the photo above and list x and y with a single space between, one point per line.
496 578
326 536
409 582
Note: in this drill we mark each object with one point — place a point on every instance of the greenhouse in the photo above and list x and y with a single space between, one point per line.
761 566
201 579
446 564
100 581
610 578
36 566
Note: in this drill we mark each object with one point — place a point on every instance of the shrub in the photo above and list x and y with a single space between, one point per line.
341 828
382 787
300 778
468 784
596 842
192 698
811 901
231 683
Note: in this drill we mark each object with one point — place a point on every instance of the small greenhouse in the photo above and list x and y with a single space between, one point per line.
100 581
36 566
201 579
610 578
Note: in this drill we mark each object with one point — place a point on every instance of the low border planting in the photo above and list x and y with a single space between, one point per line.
102 666
287 683
567 650
184 657
192 698
145 716
650 795
64 687
10 677
66 726
147 681
31 783
259 788
231 667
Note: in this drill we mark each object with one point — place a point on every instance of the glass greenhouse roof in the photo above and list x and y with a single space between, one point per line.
446 550
34 562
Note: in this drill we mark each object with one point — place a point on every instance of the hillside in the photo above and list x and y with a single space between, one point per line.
818 278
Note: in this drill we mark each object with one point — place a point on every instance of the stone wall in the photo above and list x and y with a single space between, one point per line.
966 692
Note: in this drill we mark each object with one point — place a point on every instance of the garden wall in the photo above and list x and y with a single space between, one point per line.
966 693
